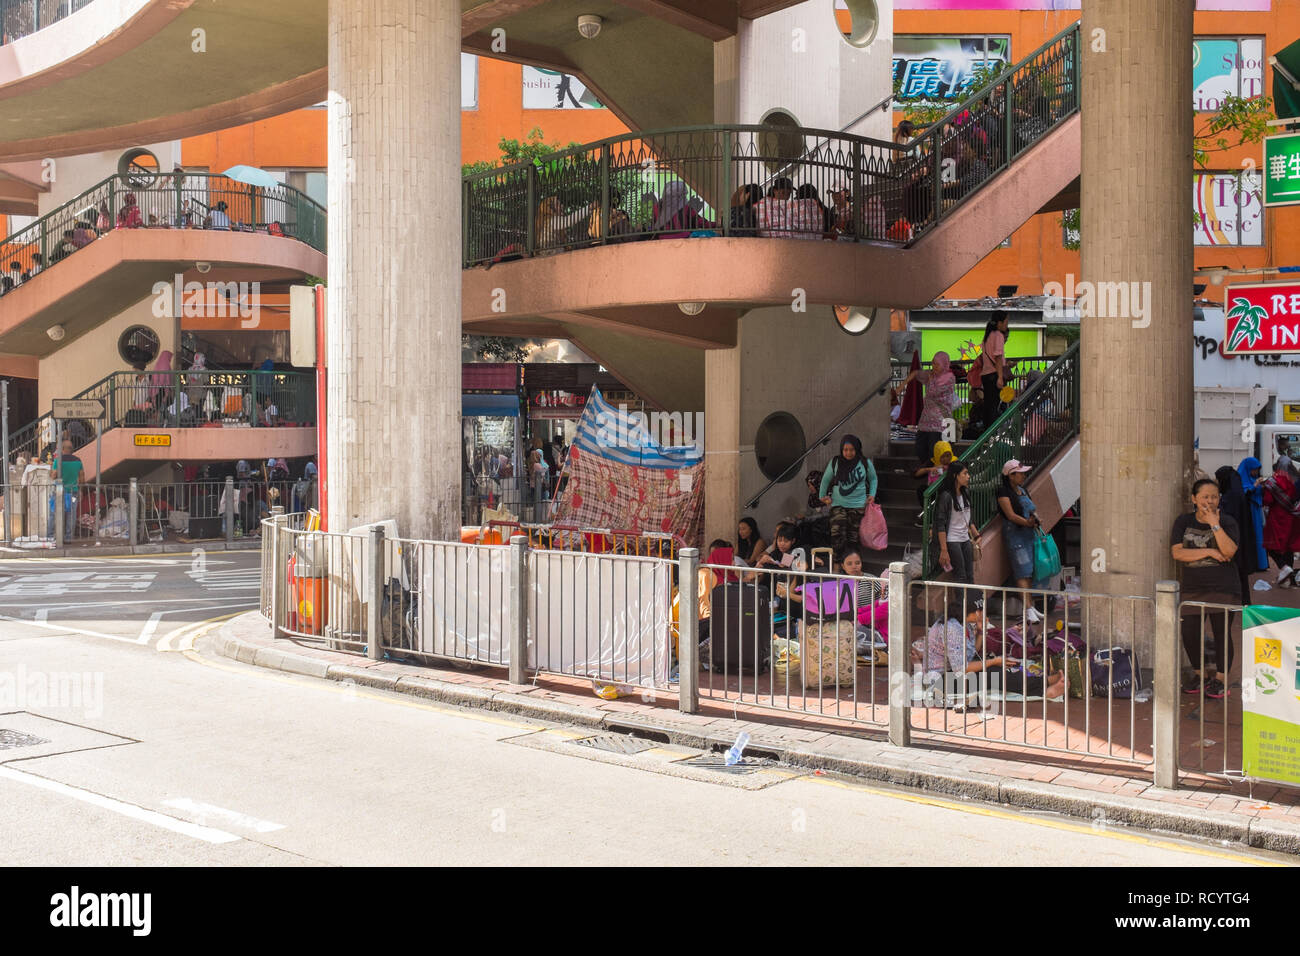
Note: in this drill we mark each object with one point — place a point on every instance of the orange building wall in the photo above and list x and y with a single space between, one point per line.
298 139
1036 254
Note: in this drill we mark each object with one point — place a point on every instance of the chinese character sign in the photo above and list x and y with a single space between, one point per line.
944 67
1270 694
1282 170
1262 319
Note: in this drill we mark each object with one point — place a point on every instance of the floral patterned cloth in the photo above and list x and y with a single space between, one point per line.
940 399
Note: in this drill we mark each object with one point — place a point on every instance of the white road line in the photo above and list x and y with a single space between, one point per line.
70 630
151 625
183 827
203 812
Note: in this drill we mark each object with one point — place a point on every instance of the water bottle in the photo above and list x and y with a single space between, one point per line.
737 751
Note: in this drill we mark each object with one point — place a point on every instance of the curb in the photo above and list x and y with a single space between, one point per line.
886 765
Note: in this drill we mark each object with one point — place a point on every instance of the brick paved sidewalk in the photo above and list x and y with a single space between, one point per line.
1262 815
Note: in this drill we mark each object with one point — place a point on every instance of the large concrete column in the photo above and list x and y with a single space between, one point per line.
1137 393
394 265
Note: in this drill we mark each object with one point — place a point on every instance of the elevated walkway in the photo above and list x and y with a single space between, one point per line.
212 415
158 230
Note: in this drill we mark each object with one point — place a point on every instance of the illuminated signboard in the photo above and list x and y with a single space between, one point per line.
1262 318
549 90
1229 209
943 67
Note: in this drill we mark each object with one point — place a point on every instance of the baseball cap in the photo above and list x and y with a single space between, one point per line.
1013 466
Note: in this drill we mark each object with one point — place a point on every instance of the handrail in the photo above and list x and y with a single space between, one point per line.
56 10
141 399
1015 435
171 201
609 191
821 440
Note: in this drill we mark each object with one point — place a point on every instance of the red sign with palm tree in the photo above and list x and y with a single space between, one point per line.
1262 319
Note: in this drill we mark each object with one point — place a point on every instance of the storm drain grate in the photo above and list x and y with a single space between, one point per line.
718 762
12 739
616 744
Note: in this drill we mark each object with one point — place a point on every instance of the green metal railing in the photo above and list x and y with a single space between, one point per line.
1038 424
164 201
20 18
182 400
1020 369
705 180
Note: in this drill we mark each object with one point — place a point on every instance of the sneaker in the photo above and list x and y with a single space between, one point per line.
1215 690
1283 575
1192 685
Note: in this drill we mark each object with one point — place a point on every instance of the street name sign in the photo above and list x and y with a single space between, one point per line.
65 409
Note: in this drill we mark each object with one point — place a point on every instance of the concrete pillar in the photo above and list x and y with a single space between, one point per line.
394 319
722 504
1136 384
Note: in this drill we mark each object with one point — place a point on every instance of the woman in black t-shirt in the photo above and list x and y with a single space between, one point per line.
1205 543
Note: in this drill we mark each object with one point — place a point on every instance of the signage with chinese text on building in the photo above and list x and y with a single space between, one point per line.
153 441
1282 170
1270 694
1262 319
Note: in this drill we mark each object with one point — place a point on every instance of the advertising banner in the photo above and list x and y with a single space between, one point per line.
1228 209
1282 170
943 67
550 90
1262 318
1234 5
1270 694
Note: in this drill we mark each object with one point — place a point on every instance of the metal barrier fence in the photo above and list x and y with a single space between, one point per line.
768 181
42 514
1210 709
191 399
1047 673
794 641
158 200
20 18
1049 670
645 544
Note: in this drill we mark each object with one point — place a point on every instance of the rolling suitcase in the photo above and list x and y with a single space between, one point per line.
740 628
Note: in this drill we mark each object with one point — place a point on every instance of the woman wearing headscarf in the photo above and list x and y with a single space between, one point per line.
1232 502
1282 525
848 486
941 456
940 398
1251 555
676 217
160 381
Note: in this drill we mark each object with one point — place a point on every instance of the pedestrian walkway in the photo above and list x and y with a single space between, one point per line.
1107 792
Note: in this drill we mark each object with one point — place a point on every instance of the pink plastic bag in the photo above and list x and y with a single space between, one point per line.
873 532
876 616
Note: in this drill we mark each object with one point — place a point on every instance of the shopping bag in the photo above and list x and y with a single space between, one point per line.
1114 673
873 532
1047 559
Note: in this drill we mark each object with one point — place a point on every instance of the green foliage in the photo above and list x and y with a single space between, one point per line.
530 149
498 348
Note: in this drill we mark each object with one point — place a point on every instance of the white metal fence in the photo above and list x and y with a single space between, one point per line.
1088 676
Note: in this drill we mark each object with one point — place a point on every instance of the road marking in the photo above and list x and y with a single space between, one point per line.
182 638
183 827
150 626
232 818
1086 829
63 629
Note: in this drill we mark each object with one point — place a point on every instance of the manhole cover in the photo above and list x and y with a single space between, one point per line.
616 744
11 739
718 762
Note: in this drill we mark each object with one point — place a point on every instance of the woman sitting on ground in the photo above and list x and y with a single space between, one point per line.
750 541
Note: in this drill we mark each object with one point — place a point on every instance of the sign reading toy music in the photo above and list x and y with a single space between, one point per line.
1270 694
1282 170
1262 319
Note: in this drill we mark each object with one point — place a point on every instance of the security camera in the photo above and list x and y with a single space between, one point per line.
56 332
203 267
589 26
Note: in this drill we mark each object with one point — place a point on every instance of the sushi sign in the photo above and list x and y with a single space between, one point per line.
1262 319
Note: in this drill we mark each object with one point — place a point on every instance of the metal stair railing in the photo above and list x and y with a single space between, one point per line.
162 201
824 439
1039 423
865 189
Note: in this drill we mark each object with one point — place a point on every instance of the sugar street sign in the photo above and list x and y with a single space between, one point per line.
66 409
1282 170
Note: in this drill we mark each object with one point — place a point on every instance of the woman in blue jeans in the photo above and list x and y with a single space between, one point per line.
1019 521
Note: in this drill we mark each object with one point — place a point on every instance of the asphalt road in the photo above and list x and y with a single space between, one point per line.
121 745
